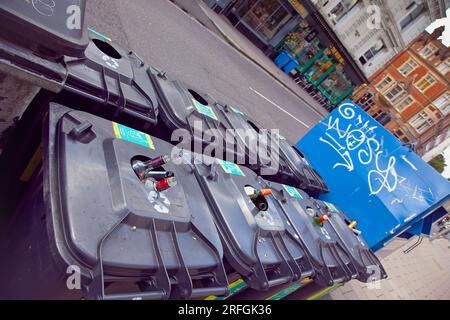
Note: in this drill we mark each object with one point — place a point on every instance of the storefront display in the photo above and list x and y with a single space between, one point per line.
303 44
321 67
265 17
337 86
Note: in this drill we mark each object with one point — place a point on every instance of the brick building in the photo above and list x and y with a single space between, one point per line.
410 95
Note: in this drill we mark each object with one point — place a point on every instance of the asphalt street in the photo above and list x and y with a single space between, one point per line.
168 38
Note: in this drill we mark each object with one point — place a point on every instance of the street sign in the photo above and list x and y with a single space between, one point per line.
372 176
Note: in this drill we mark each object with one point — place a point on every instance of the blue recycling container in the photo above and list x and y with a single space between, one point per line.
291 65
283 59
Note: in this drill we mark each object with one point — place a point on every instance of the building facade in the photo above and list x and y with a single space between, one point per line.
374 31
410 95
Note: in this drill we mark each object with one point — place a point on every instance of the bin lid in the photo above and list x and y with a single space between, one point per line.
183 108
331 261
307 178
109 217
368 265
256 243
53 28
292 168
110 75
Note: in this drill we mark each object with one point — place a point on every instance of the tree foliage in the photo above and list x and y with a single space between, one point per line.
438 163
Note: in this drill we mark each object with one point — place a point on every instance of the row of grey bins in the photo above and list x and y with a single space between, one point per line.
88 227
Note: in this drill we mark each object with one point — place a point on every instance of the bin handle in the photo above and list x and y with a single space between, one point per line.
96 289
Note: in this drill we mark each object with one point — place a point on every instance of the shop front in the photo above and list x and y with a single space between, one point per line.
320 62
264 22
296 27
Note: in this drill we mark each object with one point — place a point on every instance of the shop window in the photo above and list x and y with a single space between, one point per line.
404 104
341 9
421 121
444 67
408 67
395 94
337 85
384 83
424 83
443 103
265 17
412 16
372 52
426 51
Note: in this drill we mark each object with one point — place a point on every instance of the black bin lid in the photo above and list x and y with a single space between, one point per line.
100 205
53 27
368 265
112 76
189 109
293 168
256 242
307 178
331 261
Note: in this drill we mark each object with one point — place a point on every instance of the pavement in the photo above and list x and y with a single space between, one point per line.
422 274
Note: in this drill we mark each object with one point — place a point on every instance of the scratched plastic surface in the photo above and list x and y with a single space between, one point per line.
371 175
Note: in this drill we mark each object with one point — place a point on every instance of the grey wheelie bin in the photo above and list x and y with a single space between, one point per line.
111 81
332 261
368 266
34 37
87 213
293 168
256 243
181 107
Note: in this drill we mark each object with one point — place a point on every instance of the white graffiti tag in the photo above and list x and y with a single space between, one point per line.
357 143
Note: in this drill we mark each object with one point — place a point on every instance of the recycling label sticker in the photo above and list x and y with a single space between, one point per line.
331 207
293 192
205 110
129 134
231 168
235 110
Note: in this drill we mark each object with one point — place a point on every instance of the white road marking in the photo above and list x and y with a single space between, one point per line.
273 103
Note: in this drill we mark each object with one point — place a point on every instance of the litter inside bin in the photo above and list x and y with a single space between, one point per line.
255 240
331 261
367 264
90 209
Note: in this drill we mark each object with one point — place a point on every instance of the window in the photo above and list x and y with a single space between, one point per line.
444 67
382 117
443 103
421 121
413 15
407 67
265 17
395 94
385 82
427 50
341 9
404 104
425 82
372 52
